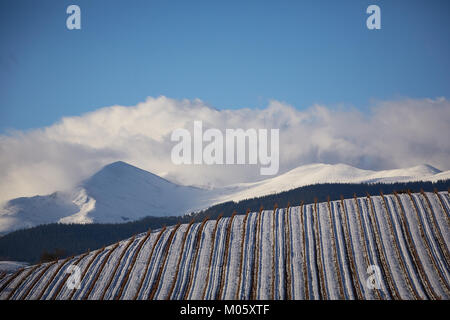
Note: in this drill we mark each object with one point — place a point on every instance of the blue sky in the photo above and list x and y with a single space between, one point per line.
230 54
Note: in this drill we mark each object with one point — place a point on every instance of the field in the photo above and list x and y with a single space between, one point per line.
314 251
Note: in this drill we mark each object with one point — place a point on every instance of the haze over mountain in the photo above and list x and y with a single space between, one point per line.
120 192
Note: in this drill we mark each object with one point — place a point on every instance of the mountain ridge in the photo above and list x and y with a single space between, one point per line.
120 192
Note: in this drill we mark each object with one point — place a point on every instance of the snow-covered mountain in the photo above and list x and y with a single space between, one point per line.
117 193
120 192
323 173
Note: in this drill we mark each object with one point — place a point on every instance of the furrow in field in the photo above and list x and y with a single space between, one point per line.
288 254
120 268
334 248
324 294
256 259
440 210
311 254
100 270
297 265
418 243
428 237
49 280
88 273
124 282
184 264
279 265
375 271
226 258
155 264
36 279
146 270
401 252
341 251
360 245
27 278
215 260
176 254
444 199
104 278
241 256
5 289
305 253
431 246
63 282
429 215
169 268
350 250
397 207
156 282
201 268
384 249
197 243
245 287
264 264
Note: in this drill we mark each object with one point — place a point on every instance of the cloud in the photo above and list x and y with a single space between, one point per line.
394 134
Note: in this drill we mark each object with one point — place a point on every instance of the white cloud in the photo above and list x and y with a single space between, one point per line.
396 134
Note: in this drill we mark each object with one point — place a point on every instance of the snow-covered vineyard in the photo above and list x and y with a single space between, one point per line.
314 251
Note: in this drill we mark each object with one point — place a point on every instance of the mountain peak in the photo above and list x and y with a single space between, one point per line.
122 173
119 165
120 168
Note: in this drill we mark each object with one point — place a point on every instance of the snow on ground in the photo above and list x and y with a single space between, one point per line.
326 250
11 266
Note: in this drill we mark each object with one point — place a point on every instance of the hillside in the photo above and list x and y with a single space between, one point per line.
313 251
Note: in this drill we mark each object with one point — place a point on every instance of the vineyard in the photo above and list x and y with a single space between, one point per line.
307 251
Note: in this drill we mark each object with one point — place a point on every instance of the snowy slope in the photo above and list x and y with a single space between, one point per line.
11 266
120 192
117 193
314 251
23 213
123 192
322 173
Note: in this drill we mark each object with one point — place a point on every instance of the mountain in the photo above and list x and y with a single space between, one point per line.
117 193
120 192
328 173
